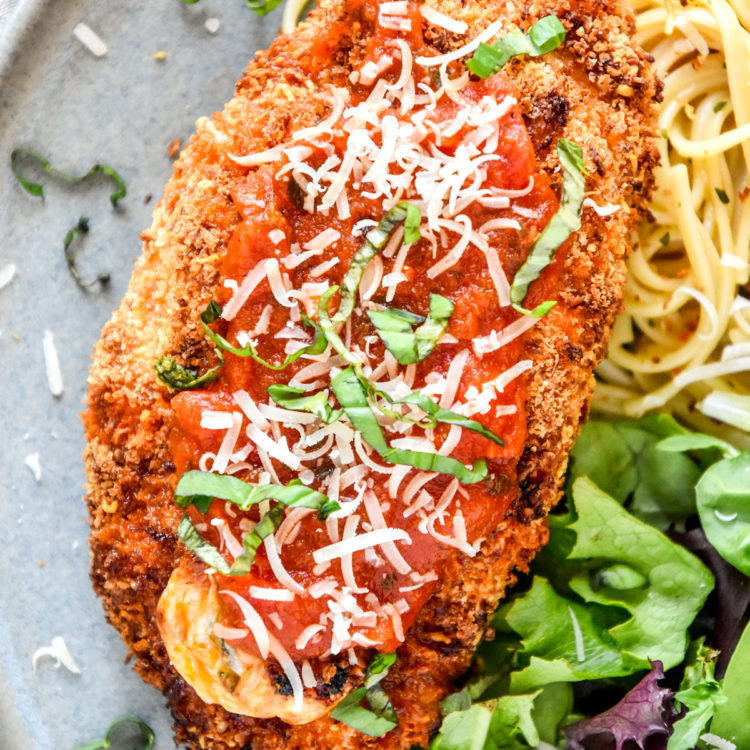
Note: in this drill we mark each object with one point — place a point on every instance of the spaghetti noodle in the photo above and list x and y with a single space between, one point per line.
685 332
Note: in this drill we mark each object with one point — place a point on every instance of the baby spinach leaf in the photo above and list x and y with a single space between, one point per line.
723 496
731 718
628 462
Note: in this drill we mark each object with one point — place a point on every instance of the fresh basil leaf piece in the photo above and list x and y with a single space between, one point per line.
128 733
539 311
254 538
375 240
174 375
203 550
410 346
412 223
36 189
378 668
567 219
199 488
353 399
432 409
262 7
212 313
79 230
438 414
544 36
296 399
350 711
731 718
723 498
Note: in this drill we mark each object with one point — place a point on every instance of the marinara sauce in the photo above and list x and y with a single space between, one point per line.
266 203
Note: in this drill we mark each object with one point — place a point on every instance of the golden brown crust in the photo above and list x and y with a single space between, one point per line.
598 91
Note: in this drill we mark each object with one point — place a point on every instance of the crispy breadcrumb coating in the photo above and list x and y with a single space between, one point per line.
597 90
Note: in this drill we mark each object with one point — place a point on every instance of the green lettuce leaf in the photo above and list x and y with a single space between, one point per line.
641 466
732 718
723 498
700 694
502 724
627 589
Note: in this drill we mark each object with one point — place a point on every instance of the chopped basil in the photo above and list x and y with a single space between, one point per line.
81 228
353 398
719 106
723 197
174 375
412 223
436 413
212 313
199 488
35 188
375 241
545 35
254 538
566 220
262 7
380 717
665 239
195 543
296 399
128 733
395 329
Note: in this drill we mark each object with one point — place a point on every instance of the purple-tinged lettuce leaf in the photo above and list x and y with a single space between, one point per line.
646 711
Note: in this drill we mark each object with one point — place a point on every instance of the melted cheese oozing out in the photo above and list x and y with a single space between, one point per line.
186 615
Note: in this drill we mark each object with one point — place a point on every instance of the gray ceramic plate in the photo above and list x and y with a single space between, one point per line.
123 109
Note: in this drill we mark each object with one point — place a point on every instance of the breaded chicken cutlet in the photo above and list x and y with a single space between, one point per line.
349 158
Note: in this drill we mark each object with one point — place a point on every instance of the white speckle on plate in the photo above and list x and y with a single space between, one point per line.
212 25
52 364
58 651
7 272
32 461
90 40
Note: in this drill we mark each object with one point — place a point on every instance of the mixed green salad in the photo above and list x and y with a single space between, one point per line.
631 628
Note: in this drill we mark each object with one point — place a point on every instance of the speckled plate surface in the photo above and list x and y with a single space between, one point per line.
122 109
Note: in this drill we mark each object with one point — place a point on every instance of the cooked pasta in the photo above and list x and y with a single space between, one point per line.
685 332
